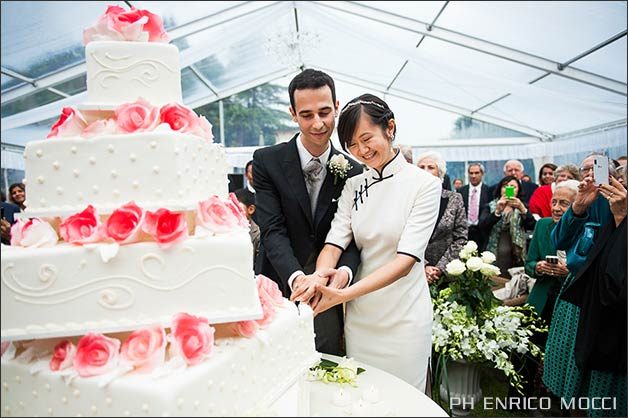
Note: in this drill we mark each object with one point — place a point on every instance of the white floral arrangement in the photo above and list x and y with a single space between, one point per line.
345 372
470 324
339 166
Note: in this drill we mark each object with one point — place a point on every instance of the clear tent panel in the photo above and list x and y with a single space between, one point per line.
554 30
29 101
609 61
192 87
175 13
8 82
47 36
346 45
559 105
73 86
420 10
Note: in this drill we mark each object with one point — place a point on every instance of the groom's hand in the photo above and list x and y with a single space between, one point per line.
337 279
304 286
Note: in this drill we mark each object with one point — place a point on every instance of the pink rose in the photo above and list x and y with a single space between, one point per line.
63 356
124 224
180 118
246 328
145 349
192 337
167 228
215 216
269 296
33 233
83 228
204 129
137 117
96 354
4 346
70 123
100 127
120 25
234 204
269 290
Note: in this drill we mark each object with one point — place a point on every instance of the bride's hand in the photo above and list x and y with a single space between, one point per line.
329 297
305 288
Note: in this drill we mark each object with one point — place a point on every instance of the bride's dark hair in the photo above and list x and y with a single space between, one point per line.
376 108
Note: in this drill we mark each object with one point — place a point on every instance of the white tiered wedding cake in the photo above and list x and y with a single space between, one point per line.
130 290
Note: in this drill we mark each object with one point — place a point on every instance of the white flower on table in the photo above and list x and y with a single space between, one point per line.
474 263
455 268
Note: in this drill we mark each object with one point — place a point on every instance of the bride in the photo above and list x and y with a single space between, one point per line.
390 210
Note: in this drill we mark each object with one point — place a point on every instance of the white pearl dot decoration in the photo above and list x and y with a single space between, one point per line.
35 394
133 157
73 150
210 383
197 404
108 400
135 184
92 160
40 179
7 410
50 411
94 409
64 400
180 402
156 169
114 174
111 148
5 385
42 201
76 393
145 407
126 413
158 192
76 172
116 192
56 165
95 189
176 150
79 196
59 190
39 153
153 144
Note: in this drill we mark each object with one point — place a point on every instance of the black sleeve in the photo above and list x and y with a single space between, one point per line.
272 222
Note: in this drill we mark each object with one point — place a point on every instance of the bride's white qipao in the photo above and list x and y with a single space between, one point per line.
390 213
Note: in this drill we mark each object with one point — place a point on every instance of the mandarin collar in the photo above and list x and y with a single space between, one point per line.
390 168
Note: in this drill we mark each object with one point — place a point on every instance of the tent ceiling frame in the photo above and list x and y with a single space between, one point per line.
181 31
438 104
203 79
480 45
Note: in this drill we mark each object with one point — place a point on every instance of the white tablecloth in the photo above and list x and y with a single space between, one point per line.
396 397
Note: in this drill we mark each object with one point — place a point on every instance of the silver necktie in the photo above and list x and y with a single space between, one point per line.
313 173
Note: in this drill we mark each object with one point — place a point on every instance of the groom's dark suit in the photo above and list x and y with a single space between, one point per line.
291 238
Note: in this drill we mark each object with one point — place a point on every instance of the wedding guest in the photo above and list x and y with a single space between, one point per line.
17 195
7 220
458 183
505 221
576 233
450 233
247 200
296 199
598 290
548 275
526 178
515 168
406 151
546 174
390 210
475 196
540 201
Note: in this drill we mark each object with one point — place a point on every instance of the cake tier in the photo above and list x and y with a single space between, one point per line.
122 72
154 169
243 377
69 290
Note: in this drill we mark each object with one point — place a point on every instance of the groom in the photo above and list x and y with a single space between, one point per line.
296 199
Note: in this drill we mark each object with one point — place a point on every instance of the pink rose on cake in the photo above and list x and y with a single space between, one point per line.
270 297
167 228
125 223
215 216
70 123
192 338
204 129
83 228
33 233
100 127
96 355
234 204
137 117
180 118
246 328
120 25
145 349
62 356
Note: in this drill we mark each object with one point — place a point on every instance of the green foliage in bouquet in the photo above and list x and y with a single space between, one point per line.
471 324
329 371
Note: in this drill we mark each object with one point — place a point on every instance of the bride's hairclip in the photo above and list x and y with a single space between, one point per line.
363 102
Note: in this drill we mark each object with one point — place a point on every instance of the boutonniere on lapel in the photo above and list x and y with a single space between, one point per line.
339 166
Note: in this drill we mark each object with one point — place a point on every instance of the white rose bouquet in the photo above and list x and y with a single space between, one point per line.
470 324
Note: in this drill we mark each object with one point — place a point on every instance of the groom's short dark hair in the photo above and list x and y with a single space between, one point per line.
311 79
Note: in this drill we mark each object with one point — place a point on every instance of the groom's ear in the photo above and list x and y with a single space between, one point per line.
293 114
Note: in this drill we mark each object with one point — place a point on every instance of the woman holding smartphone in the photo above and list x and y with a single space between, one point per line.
505 221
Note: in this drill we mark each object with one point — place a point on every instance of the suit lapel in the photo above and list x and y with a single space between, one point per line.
328 190
291 166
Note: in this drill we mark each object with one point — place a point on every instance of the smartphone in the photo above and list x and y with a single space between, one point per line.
600 170
510 192
552 259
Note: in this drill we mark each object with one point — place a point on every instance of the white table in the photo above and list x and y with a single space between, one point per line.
396 397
